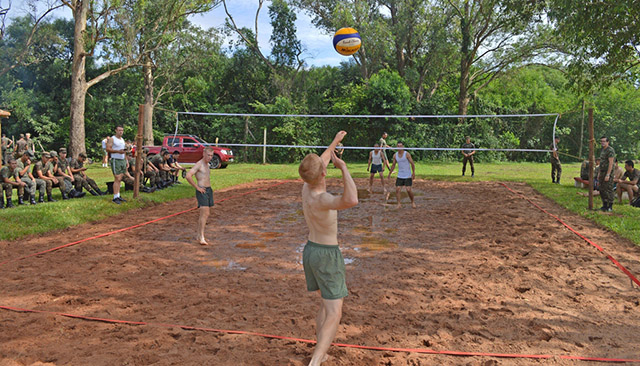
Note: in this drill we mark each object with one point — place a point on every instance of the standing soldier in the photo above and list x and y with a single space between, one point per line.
556 167
607 158
6 143
468 155
8 171
65 177
80 177
21 146
24 170
43 181
31 145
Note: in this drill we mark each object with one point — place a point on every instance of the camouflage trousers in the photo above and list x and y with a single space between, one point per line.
153 178
556 167
43 185
606 188
30 187
131 182
8 190
86 183
64 183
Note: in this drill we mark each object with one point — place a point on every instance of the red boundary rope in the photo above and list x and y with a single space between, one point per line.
133 227
372 348
620 266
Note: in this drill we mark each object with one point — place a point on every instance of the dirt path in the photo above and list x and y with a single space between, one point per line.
474 268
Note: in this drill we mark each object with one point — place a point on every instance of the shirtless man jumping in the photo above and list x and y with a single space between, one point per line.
204 194
323 263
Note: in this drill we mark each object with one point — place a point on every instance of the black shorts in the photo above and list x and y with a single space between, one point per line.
407 182
205 199
377 168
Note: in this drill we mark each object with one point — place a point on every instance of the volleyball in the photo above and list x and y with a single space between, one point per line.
346 41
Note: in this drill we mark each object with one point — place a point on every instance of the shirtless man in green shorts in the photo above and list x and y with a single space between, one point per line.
322 260
204 194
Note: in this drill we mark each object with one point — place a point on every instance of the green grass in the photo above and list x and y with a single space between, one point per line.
42 218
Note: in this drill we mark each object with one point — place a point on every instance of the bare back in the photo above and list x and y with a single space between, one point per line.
322 221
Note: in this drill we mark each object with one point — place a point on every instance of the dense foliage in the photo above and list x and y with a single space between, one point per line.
409 65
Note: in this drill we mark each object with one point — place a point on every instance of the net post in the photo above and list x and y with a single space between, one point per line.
264 148
591 158
246 136
136 177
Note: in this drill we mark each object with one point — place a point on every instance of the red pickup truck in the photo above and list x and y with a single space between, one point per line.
191 148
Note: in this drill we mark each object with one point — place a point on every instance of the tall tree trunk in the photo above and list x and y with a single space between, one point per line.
78 81
148 103
465 62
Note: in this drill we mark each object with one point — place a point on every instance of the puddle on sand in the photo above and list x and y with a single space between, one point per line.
376 244
224 265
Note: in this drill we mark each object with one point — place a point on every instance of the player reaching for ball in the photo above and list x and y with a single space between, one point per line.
204 194
322 260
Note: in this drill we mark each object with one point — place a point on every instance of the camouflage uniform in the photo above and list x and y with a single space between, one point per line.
52 166
64 182
42 184
21 147
4 143
157 160
606 188
151 175
556 167
80 181
30 184
6 172
470 147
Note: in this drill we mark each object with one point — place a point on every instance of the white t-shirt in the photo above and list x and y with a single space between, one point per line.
404 168
118 144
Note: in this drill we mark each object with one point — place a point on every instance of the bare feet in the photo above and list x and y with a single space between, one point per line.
398 205
202 241
413 204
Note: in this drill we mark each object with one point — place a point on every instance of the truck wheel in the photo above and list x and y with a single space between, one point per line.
215 162
223 166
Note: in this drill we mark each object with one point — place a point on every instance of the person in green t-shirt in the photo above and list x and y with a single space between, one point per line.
6 173
630 186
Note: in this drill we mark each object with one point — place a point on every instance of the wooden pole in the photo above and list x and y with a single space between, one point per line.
136 177
264 148
592 160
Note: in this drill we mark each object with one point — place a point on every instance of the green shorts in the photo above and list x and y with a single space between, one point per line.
205 199
324 270
118 166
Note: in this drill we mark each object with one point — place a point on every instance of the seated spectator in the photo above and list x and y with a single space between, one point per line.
64 175
584 170
617 174
159 162
27 193
630 186
130 172
6 173
176 167
44 179
150 171
80 177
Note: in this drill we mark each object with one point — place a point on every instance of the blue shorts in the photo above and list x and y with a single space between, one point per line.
376 168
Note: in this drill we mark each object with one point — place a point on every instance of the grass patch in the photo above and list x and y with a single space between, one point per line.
26 220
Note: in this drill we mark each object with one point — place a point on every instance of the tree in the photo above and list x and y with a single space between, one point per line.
494 35
20 50
602 37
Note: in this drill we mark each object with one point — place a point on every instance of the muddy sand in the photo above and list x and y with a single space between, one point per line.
474 268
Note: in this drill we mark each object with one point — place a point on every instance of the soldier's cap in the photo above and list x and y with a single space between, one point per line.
145 151
82 155
62 150
46 155
29 153
53 154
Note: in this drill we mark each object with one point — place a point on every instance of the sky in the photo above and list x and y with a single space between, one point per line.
318 47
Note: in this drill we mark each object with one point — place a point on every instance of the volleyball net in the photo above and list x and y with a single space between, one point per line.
288 137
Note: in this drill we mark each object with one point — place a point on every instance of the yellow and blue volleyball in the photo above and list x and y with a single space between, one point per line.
346 41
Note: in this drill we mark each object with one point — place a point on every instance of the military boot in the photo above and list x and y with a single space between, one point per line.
50 199
2 203
75 194
93 193
40 198
20 200
9 203
64 196
32 200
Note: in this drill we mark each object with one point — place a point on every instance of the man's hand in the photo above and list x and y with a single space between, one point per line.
337 162
201 190
23 184
340 135
606 178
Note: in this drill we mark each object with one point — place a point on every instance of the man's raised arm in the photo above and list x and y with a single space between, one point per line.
326 155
